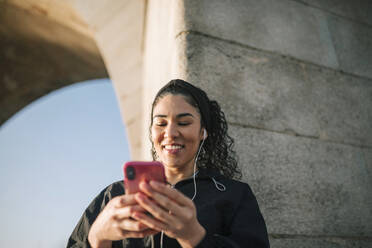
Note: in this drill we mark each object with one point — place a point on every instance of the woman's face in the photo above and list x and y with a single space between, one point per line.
176 131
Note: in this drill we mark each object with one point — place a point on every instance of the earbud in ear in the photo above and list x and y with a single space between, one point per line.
204 134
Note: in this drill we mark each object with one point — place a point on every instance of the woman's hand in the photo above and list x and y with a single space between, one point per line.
171 211
115 222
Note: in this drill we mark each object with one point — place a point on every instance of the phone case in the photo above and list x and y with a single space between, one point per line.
138 171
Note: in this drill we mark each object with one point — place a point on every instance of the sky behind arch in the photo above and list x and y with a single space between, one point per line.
56 155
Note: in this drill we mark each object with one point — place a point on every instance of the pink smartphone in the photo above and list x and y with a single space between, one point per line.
138 171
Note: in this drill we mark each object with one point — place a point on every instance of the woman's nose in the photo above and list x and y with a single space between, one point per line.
171 131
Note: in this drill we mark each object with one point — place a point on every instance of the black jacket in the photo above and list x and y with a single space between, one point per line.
226 208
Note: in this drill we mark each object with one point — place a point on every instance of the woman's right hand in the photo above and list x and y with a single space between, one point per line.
115 223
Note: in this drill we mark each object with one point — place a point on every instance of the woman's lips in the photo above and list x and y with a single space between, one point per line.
173 149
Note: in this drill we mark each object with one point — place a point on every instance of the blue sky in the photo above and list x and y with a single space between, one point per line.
56 155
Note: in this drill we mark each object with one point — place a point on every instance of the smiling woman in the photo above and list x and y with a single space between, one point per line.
176 133
205 207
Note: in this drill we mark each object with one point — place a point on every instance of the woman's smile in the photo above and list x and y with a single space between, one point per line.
173 149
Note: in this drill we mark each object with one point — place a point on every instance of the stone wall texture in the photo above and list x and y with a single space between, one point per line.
295 81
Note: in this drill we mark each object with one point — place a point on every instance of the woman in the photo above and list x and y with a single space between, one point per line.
203 207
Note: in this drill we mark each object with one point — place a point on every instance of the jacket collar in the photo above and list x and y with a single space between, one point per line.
208 173
202 174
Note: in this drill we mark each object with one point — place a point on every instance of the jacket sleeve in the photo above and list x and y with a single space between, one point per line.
79 236
247 227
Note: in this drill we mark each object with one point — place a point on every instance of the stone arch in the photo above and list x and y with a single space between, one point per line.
48 44
41 52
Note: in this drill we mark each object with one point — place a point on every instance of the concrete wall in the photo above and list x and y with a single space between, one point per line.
295 81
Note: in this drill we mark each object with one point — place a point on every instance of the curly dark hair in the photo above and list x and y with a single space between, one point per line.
218 151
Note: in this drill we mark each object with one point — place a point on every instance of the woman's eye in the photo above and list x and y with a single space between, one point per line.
183 123
161 124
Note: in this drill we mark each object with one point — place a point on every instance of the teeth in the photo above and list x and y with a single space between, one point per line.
172 146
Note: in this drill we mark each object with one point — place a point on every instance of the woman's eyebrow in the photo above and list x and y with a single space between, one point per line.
177 116
184 114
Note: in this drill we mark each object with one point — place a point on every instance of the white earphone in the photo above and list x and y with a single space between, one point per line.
204 134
